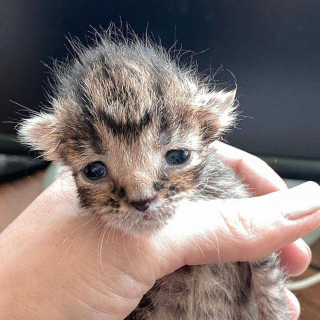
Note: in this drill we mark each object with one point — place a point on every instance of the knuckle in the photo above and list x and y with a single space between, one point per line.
275 208
238 225
313 185
261 162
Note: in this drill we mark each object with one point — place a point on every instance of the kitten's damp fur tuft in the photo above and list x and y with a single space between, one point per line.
126 102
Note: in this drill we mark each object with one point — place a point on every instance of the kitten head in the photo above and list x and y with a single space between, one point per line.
134 128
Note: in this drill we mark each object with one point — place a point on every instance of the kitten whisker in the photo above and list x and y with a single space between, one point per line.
125 250
80 229
100 247
75 231
94 228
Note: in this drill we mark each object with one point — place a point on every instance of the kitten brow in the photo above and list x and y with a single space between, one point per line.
128 130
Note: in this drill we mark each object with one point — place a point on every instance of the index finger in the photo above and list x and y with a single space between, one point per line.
253 171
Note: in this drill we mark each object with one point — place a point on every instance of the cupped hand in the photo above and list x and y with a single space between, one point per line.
59 265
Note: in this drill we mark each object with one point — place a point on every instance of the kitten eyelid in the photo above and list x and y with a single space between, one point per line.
181 148
105 179
88 163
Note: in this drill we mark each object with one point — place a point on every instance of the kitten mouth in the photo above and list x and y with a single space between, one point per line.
147 215
152 218
150 214
148 221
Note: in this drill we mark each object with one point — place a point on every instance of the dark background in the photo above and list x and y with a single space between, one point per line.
272 47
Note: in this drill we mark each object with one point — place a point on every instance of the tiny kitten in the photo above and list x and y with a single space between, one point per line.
136 130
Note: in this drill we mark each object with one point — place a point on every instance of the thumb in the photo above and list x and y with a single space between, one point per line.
240 229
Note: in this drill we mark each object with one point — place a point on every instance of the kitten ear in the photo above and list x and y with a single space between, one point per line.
40 133
217 114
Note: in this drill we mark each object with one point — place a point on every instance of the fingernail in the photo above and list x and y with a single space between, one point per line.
300 201
303 246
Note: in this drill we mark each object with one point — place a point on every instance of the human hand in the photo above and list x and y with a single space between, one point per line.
294 257
52 265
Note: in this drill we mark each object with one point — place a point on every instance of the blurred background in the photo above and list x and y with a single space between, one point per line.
272 47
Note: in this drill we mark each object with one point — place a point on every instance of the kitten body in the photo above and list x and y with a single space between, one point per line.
125 104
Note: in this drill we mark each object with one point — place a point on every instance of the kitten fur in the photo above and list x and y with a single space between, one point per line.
126 102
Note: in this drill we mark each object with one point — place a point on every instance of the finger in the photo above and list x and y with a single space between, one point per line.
295 257
253 171
292 304
262 179
243 229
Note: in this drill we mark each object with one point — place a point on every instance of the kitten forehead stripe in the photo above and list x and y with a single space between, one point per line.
128 130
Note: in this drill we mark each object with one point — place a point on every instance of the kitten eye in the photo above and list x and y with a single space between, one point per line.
176 157
95 170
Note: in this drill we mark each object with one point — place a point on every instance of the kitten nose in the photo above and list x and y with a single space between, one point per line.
141 205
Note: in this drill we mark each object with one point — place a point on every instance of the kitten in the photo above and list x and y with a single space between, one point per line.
136 130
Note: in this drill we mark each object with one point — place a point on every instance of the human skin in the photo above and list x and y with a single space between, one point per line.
58 262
